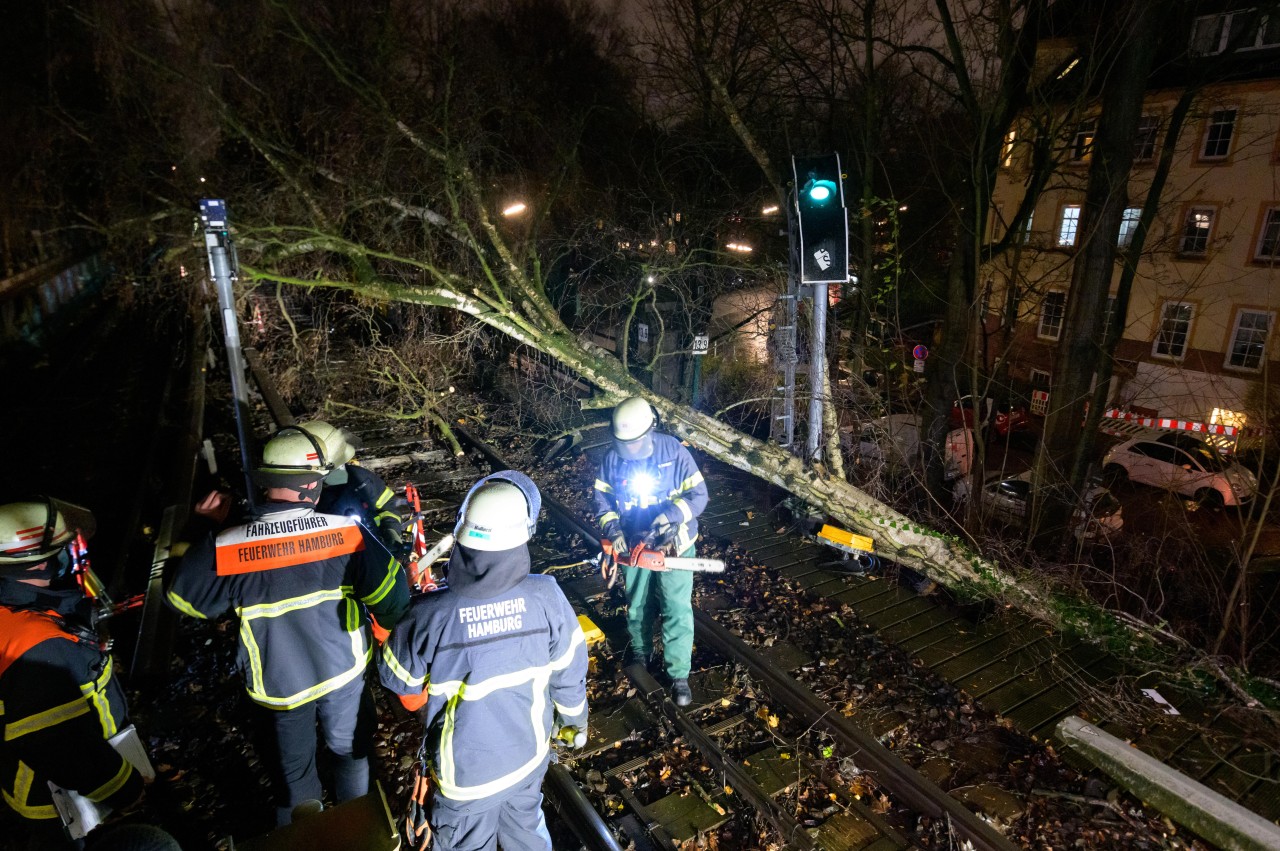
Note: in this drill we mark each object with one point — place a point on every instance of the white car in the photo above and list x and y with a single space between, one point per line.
1182 464
1008 499
895 440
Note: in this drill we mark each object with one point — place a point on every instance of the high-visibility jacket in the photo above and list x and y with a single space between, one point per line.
366 495
499 668
633 493
59 703
299 581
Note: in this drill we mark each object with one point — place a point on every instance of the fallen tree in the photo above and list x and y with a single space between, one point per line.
392 204
513 302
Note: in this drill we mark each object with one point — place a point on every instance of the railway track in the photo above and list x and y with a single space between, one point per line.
759 760
730 691
767 757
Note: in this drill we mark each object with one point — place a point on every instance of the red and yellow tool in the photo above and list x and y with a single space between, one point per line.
419 567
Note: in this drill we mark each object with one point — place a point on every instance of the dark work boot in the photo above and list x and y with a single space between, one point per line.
631 657
680 692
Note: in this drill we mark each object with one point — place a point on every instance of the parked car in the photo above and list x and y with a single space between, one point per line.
1001 418
1008 499
895 441
1180 463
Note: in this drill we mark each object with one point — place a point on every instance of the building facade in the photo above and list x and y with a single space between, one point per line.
1199 329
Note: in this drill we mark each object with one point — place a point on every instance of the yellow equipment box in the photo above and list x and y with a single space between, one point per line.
592 632
842 540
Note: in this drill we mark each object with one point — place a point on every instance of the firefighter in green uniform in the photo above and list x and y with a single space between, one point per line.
649 490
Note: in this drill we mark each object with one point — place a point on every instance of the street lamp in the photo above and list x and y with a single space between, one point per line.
514 209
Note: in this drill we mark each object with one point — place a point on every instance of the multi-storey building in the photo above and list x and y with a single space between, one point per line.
1199 331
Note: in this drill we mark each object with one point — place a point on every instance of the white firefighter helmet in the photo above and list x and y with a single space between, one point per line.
633 421
338 442
35 530
293 456
495 518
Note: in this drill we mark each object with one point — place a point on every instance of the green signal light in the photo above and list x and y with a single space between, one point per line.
820 191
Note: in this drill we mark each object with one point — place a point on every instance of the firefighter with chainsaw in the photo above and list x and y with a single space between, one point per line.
496 667
60 702
356 492
301 582
648 496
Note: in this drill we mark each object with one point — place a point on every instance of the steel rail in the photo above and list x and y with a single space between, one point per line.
913 788
575 809
742 782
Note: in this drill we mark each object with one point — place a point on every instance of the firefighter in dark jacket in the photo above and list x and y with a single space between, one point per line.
300 582
500 663
59 699
649 490
356 492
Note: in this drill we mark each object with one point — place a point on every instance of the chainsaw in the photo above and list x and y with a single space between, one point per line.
648 556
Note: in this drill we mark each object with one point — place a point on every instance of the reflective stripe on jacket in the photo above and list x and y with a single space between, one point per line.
498 672
297 580
59 703
634 492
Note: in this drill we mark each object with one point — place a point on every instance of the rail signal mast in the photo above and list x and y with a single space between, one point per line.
818 228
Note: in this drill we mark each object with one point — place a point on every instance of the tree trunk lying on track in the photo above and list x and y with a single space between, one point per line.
943 558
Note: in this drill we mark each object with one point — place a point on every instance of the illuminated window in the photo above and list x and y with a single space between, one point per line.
1174 330
1128 224
1052 310
1196 230
1249 340
1069 227
1006 152
1082 145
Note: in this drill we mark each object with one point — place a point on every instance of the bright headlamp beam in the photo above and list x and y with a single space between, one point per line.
643 484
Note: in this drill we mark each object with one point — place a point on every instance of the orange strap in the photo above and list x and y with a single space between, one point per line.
413 702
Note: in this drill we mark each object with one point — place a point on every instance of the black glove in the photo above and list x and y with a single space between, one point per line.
612 549
613 532
662 532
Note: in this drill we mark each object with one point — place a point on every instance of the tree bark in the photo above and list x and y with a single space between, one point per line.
1080 355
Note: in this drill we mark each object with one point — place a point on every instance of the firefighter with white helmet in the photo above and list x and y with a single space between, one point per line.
356 492
649 490
303 584
497 664
59 699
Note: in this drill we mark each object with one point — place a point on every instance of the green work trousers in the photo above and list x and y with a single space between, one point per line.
668 593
